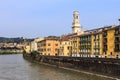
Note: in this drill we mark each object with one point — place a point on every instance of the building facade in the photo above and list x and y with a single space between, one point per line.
85 45
65 45
64 51
101 42
111 42
49 46
75 45
97 44
27 47
34 46
117 42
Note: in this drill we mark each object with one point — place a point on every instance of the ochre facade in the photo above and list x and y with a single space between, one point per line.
49 47
101 42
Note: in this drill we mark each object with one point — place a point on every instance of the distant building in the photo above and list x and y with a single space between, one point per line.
27 47
11 47
34 46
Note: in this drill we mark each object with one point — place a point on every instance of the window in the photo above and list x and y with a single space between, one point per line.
49 44
56 44
48 49
44 53
104 33
76 17
98 36
68 47
49 54
65 43
56 49
117 56
44 49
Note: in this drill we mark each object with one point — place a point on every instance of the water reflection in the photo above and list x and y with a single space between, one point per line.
14 67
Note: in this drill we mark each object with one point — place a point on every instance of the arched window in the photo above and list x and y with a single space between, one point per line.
76 17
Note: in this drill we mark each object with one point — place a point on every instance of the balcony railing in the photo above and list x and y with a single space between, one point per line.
116 32
117 40
104 33
116 49
104 48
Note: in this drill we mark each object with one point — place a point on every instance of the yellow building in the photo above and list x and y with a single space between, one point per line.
75 45
111 42
85 45
65 45
64 51
117 42
70 47
101 42
49 46
97 43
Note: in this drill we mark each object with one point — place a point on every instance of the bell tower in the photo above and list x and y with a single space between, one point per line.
76 27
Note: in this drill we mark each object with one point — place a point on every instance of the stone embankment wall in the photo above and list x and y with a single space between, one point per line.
104 66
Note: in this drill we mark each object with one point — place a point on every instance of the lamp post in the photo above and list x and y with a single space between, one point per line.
119 21
58 52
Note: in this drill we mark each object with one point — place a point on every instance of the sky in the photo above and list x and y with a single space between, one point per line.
41 18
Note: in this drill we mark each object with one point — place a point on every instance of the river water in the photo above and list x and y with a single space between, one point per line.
15 67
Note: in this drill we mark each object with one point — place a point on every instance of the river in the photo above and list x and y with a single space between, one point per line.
15 67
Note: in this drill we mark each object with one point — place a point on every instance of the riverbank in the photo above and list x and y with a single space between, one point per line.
6 53
58 65
15 67
79 71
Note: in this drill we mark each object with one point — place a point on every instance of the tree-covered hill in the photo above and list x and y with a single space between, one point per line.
12 40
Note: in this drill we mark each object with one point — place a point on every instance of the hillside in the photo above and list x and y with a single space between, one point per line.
11 40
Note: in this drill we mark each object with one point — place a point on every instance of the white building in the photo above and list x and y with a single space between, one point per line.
34 44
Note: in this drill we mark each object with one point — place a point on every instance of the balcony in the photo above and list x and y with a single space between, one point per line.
116 49
96 48
104 33
96 53
105 48
116 32
117 40
105 41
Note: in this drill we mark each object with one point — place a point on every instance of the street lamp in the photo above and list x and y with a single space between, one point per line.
58 52
119 21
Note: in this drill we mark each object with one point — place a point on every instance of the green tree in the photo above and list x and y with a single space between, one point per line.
34 54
